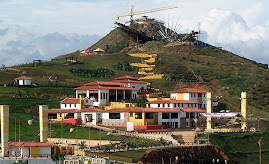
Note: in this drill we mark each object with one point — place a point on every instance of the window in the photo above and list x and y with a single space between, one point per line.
187 115
64 105
138 115
168 105
70 105
149 115
159 105
175 105
204 94
131 114
199 94
174 115
101 95
114 115
165 115
191 94
106 95
75 105
188 105
194 95
192 115
191 105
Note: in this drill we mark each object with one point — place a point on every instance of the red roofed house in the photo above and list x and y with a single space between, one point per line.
106 91
191 94
30 149
132 81
23 80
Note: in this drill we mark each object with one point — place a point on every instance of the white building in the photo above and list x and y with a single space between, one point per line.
132 81
174 104
23 81
30 149
74 103
87 115
106 91
191 94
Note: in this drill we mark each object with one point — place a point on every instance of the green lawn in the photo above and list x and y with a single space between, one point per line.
243 147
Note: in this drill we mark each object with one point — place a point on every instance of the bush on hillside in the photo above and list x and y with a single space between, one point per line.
97 72
123 66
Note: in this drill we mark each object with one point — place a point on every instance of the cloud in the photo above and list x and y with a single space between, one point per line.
19 45
229 30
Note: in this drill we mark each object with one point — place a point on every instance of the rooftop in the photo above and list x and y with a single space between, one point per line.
127 77
23 78
30 144
94 83
152 110
105 87
70 101
130 81
172 101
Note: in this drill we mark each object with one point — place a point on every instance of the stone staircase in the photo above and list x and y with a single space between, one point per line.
184 137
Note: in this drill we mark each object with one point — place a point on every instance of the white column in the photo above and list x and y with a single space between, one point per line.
4 109
87 94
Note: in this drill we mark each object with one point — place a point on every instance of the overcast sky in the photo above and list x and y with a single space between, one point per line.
37 29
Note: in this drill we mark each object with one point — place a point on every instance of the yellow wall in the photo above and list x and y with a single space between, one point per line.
140 65
34 151
141 55
155 76
111 105
60 116
142 121
180 96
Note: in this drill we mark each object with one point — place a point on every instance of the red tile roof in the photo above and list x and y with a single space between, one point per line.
153 110
140 109
189 90
74 110
64 111
98 83
130 81
91 110
70 101
102 87
30 144
23 78
172 101
127 77
192 110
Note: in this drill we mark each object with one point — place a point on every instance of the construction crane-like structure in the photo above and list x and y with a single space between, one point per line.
132 13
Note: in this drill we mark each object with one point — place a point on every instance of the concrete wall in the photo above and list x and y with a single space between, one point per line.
46 150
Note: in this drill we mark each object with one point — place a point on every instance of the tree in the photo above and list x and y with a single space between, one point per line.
58 157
